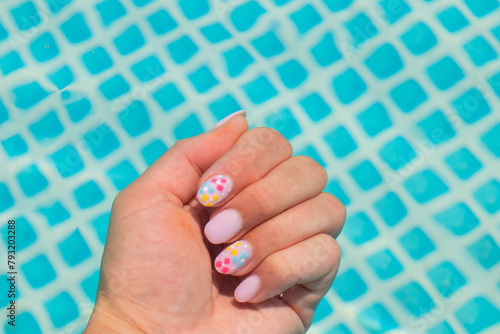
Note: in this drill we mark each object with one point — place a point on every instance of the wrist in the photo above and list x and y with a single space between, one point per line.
104 319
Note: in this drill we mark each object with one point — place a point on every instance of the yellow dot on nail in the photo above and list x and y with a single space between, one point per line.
209 204
237 243
227 248
215 197
234 252
204 198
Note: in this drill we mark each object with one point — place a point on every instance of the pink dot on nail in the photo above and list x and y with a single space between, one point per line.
220 187
226 260
223 180
218 263
214 180
225 270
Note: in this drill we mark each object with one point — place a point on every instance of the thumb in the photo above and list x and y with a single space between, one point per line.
178 171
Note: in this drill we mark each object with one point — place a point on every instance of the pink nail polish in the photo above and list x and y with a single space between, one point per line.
228 117
233 257
247 289
223 226
215 190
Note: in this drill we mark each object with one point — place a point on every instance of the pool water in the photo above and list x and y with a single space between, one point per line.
398 99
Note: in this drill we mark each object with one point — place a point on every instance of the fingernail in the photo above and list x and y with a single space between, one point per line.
233 257
215 190
223 226
228 117
247 289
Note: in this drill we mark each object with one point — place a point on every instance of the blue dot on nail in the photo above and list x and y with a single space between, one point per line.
211 190
243 255
235 259
239 264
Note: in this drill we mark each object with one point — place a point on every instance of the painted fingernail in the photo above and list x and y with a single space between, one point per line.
215 190
233 257
223 226
228 117
247 289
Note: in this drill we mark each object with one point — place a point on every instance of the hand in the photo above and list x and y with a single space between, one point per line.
159 271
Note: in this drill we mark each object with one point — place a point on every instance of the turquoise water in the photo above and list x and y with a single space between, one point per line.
398 100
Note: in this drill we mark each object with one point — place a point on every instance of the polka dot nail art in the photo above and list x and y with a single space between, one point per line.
233 257
215 190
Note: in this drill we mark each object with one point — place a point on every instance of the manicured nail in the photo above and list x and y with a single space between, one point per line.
233 257
223 226
215 190
247 289
228 117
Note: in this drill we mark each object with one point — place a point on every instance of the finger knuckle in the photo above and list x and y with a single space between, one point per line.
311 168
328 245
269 136
267 202
333 205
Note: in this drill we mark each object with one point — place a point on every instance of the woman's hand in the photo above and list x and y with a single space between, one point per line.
165 268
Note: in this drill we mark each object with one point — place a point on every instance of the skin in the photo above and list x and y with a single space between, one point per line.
157 273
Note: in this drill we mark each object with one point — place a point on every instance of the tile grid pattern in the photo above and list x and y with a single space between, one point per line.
396 99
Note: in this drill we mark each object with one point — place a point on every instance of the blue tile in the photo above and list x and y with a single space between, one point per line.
490 140
259 90
215 33
6 199
26 16
129 41
100 225
425 186
10 62
359 228
397 153
74 249
182 49
25 234
452 19
391 208
101 141
88 194
446 278
55 6
168 97
463 163
122 174
337 5
44 47
384 61
315 107
268 44
361 28
419 39
305 18
38 271
203 79
334 188
47 127
458 219
153 151
245 16
162 22
141 3
339 329
376 319
135 119
76 29
14 145
223 106
481 8
26 96
385 264
414 298
110 10
408 95
349 285
25 323
480 51
374 119
62 77
437 128
89 285
189 127
325 52
114 87
496 32
79 109
148 69
67 161
348 86
488 195
97 60
445 73
311 152
366 175
322 311
417 243
471 106
55 213
442 328
31 180
341 142
3 33
62 309
292 73
394 9
4 114
194 9
237 60
477 315
283 121
280 2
